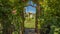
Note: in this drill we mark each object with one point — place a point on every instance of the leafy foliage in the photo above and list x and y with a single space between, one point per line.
50 13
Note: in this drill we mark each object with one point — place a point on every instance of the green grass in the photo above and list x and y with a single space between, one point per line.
30 23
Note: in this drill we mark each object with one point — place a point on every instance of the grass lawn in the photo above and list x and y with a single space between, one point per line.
30 23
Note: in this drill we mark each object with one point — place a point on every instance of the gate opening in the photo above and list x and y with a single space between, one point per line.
30 13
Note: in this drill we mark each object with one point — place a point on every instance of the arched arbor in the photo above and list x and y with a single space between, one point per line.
36 18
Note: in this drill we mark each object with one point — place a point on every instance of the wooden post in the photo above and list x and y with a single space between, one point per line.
22 23
37 17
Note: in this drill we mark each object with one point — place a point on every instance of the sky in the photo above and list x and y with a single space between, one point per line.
30 8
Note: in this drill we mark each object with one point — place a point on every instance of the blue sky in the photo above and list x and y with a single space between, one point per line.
30 8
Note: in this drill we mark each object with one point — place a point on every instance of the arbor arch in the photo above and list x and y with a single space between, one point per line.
37 15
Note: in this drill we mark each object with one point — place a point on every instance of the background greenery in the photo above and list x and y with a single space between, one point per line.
50 14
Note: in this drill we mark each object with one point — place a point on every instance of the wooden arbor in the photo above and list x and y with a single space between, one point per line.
37 16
